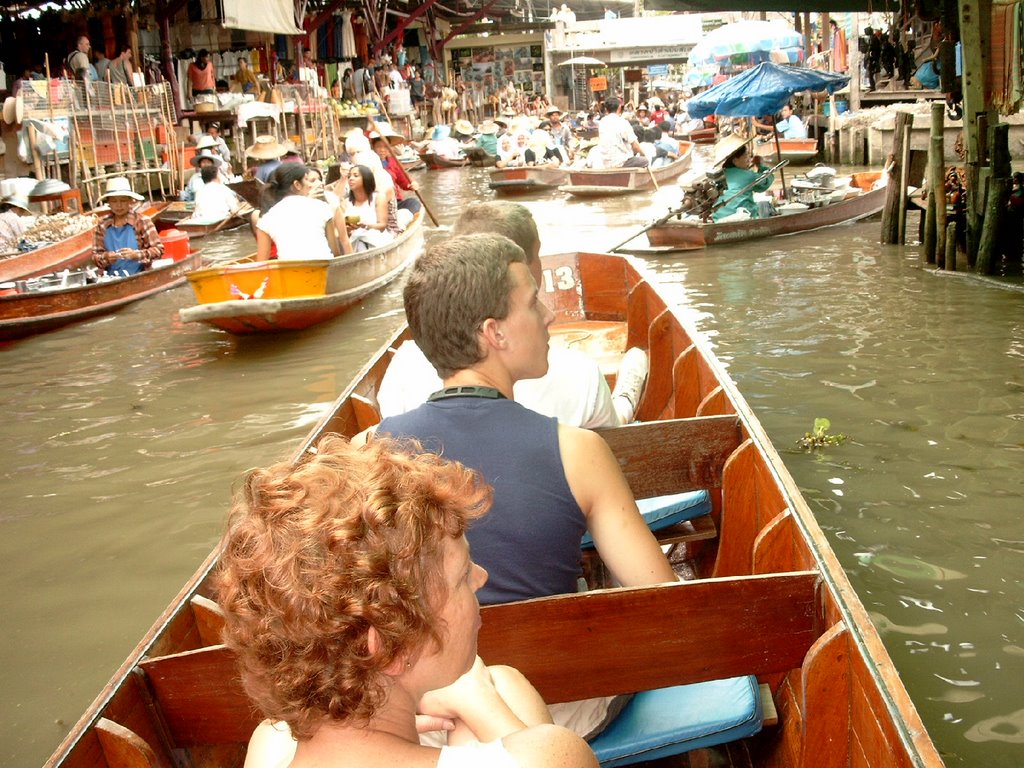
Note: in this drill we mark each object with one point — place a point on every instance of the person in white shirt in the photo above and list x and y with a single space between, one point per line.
574 389
789 126
299 226
214 201
618 146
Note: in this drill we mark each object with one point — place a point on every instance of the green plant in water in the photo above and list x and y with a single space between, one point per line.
819 436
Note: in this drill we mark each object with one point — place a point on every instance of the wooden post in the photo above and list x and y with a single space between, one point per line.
949 258
854 66
997 192
901 224
935 231
893 195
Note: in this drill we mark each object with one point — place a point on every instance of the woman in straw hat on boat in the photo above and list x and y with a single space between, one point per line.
741 172
125 242
268 151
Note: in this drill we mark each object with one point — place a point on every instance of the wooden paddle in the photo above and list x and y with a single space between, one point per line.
394 157
234 214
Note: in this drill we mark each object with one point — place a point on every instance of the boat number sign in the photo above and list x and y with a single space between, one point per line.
559 279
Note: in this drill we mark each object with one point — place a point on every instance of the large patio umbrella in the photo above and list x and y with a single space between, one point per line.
579 61
743 42
763 90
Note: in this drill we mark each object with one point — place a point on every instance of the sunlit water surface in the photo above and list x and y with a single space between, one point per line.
124 436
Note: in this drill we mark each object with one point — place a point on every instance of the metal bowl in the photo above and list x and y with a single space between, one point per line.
49 187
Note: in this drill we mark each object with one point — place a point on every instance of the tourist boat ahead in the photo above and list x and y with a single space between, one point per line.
766 599
249 296
684 235
79 293
796 151
590 182
177 215
523 179
436 162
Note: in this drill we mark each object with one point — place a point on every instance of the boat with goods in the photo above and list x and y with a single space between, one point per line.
178 215
862 199
80 292
599 182
764 599
249 296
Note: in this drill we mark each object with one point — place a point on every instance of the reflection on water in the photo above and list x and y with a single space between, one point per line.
124 436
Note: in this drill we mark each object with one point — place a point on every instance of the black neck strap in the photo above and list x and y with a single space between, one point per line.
489 392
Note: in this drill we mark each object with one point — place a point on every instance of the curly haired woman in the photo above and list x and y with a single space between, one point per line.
350 600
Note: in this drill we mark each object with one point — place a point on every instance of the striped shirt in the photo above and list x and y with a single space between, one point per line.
151 247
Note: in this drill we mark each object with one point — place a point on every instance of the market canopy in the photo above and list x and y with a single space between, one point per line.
748 42
275 16
763 90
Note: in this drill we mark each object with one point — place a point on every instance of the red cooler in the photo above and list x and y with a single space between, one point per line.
175 244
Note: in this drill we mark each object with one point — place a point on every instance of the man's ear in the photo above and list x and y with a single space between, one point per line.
491 334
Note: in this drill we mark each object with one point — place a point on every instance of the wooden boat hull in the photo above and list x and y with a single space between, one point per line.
795 150
702 136
512 181
770 599
56 256
48 258
685 236
624 181
413 165
24 315
438 163
480 158
294 295
177 216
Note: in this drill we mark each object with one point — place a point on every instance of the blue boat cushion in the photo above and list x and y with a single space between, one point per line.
670 721
665 511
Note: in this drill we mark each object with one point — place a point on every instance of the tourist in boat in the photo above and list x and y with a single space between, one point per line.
509 153
214 201
561 133
125 242
296 225
574 389
443 145
366 214
552 482
617 146
743 176
463 132
13 209
788 125
199 161
268 151
666 148
487 137
359 556
405 189
540 151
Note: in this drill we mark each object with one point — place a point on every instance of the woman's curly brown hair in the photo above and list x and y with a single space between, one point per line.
316 554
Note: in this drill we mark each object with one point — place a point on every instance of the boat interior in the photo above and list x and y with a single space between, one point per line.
762 598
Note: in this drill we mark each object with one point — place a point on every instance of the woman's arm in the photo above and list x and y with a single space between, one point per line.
380 203
151 247
263 244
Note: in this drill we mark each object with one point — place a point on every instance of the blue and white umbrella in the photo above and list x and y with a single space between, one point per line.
748 42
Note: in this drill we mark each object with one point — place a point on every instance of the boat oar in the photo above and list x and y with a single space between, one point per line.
651 174
234 214
681 209
394 157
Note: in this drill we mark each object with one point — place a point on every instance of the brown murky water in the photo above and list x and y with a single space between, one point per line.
123 437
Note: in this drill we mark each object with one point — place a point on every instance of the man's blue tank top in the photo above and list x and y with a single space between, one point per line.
529 541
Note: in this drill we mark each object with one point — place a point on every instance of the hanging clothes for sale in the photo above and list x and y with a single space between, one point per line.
348 36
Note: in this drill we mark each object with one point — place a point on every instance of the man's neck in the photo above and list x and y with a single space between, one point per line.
481 377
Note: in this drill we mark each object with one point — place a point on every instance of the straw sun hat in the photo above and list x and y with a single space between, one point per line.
119 186
487 127
266 148
14 109
18 201
727 146
464 127
217 159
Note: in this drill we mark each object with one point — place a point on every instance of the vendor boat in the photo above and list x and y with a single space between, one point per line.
523 179
248 296
81 292
858 202
767 600
600 182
